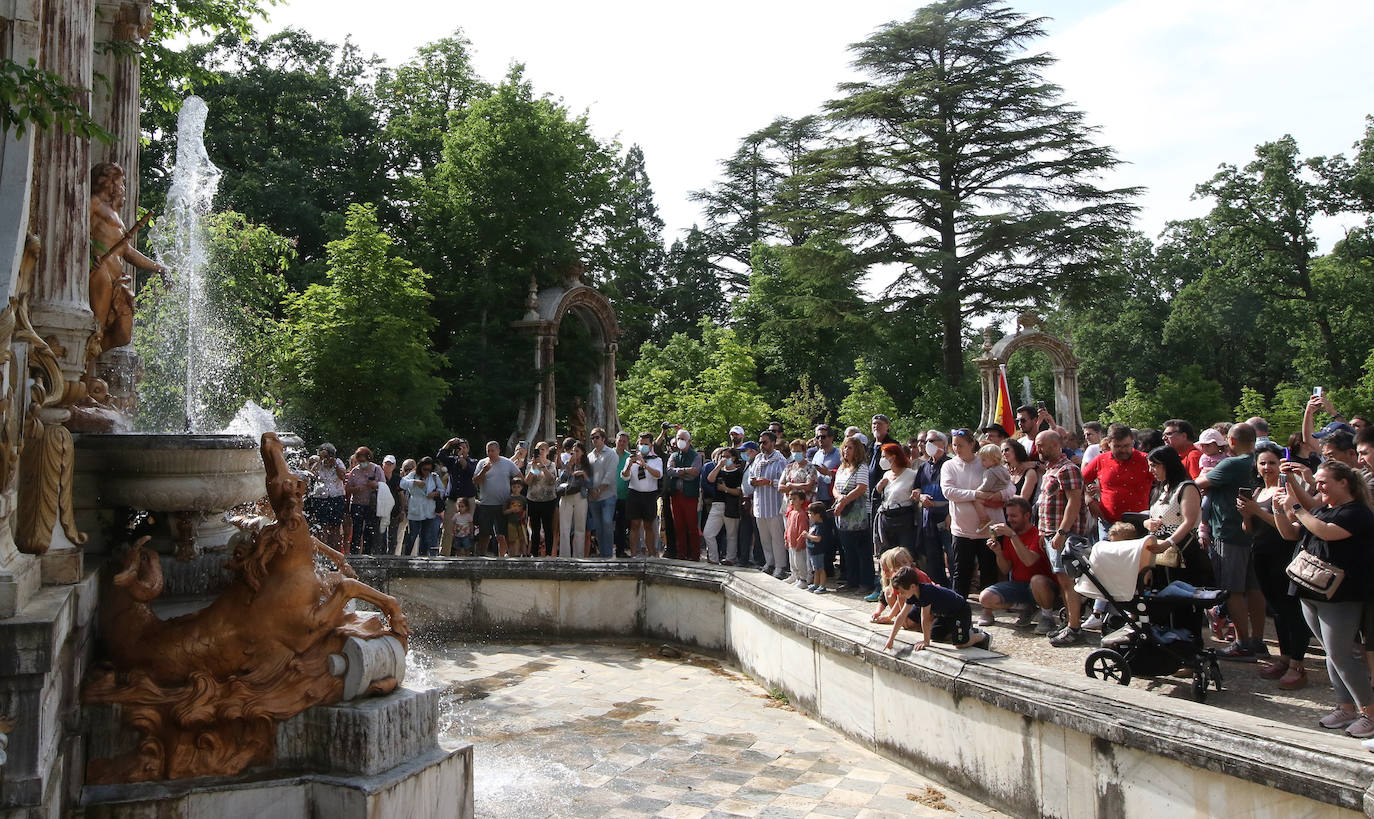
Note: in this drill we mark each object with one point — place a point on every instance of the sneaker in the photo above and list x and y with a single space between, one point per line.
987 618
1362 728
1339 718
1368 744
1236 651
874 596
819 590
1067 637
1221 626
801 584
1026 617
766 569
1093 623
781 574
1047 624
811 588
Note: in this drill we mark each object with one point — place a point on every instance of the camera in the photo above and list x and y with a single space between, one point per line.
523 444
667 425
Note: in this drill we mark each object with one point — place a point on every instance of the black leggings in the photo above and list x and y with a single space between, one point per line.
541 517
1291 626
969 551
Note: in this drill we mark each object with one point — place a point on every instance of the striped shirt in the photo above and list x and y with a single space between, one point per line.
768 501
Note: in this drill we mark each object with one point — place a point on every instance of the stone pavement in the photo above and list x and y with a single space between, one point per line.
619 730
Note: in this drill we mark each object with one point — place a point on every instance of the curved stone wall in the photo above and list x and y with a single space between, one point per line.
1028 740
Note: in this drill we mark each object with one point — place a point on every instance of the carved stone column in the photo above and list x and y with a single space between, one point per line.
548 412
612 422
60 307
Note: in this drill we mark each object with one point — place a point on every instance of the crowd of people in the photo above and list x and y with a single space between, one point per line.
930 523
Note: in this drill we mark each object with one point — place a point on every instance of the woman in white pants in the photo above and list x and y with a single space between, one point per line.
728 476
572 502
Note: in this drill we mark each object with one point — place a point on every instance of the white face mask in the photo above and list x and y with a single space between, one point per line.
884 463
932 449
682 443
645 449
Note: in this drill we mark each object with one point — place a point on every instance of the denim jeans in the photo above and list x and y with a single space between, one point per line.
602 516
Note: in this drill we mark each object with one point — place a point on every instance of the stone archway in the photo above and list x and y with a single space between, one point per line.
1065 363
544 313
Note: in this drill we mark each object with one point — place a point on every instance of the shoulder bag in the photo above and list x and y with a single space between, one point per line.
1313 573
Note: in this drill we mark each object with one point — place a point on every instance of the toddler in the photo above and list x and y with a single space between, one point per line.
462 527
1213 446
996 477
815 550
794 533
515 513
889 604
944 613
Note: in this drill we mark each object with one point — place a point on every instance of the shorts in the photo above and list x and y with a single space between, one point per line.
1014 592
1233 566
1056 556
488 521
326 511
641 505
815 560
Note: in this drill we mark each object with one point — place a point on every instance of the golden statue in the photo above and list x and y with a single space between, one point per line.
206 690
111 289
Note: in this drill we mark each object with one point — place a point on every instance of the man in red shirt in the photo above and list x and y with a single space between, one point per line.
1179 435
1022 556
1123 474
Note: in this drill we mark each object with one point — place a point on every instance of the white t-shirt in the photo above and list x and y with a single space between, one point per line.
898 490
648 483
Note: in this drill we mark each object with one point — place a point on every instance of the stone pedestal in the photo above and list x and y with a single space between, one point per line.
375 758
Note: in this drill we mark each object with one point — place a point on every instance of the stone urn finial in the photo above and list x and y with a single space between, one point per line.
532 301
987 339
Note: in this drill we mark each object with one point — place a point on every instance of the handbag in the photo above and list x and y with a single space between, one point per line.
1313 573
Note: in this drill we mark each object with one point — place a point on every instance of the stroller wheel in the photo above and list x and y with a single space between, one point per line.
1200 685
1062 615
1108 664
1214 671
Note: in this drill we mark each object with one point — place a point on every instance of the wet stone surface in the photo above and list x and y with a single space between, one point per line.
617 730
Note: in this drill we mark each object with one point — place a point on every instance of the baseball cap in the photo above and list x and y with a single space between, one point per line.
861 438
390 459
1334 426
881 417
1211 436
749 445
737 430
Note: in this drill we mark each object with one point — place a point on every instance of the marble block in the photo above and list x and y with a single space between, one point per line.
366 736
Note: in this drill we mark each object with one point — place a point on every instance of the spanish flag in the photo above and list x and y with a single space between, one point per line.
1003 416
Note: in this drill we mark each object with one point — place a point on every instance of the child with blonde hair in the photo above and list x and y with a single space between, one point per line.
996 477
890 562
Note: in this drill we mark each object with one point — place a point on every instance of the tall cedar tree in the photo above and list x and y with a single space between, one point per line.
959 163
634 256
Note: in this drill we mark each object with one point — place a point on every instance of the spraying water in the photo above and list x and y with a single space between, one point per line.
189 349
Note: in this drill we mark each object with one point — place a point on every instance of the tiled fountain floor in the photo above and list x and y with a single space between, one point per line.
616 730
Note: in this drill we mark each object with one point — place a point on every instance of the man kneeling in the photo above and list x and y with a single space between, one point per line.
1021 556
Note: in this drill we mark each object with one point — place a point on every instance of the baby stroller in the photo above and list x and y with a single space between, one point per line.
1162 630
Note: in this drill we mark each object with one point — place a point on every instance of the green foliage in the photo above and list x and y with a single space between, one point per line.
360 367
1251 404
867 398
171 65
939 405
960 164
706 385
633 255
1136 408
805 407
1185 393
30 96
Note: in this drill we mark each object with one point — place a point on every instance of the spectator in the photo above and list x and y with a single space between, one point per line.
1175 511
959 480
541 496
361 487
1149 439
761 485
1261 428
724 514
1030 581
896 518
574 479
1027 426
994 434
491 477
1364 449
882 435
1062 512
945 615
1232 553
516 516
622 494
1092 434
1359 422
1273 552
326 503
797 523
1025 473
932 538
393 484
1341 532
1124 480
826 459
750 548
601 493
1300 452
641 472
1340 446
422 489
736 437
684 476
664 449
996 477
456 457
1179 435
851 514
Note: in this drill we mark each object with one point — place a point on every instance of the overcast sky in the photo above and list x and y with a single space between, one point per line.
1177 86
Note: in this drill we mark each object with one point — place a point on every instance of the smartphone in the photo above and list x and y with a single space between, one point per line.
524 444
1317 391
1040 405
1247 492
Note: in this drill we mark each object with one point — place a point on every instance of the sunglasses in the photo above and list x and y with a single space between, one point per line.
958 432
